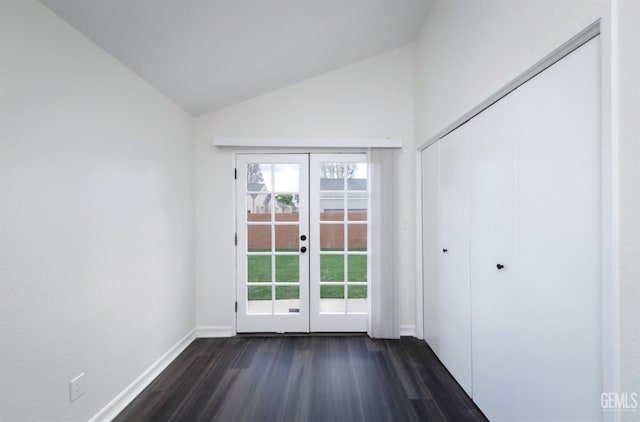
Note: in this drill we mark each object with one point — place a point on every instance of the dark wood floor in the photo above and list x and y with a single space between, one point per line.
305 378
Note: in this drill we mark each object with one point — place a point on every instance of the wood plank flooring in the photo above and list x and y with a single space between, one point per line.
304 378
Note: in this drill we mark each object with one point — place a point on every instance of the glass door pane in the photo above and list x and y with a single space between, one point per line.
272 263
302 250
339 194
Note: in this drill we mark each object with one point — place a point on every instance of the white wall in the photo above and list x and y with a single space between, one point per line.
466 50
629 176
371 98
96 185
96 227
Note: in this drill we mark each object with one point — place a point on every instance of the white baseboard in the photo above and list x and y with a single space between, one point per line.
111 410
122 400
407 331
214 331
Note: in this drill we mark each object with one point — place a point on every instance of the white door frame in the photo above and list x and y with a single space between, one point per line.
319 321
285 151
271 320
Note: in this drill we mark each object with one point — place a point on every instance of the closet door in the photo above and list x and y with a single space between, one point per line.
453 295
559 201
430 247
492 261
517 274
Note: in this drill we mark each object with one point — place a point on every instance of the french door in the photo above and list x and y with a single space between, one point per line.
302 242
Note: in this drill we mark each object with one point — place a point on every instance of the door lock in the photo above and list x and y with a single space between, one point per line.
303 249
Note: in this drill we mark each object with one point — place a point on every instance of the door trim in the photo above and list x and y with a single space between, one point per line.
322 143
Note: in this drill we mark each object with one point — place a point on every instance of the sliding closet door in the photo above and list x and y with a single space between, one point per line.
512 286
453 295
493 265
430 247
559 201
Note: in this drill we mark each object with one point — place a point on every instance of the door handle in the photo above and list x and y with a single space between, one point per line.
303 249
499 266
445 250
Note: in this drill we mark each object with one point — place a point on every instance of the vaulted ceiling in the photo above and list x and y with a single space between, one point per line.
208 54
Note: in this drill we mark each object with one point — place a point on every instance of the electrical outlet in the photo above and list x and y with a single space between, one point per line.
76 387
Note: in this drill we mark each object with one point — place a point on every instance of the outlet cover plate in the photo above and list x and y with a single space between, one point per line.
76 387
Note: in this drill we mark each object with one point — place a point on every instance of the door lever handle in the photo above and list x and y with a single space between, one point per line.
499 266
445 250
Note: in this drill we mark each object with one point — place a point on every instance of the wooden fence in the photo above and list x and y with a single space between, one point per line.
288 237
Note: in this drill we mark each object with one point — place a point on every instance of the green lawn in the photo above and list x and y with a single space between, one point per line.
331 269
